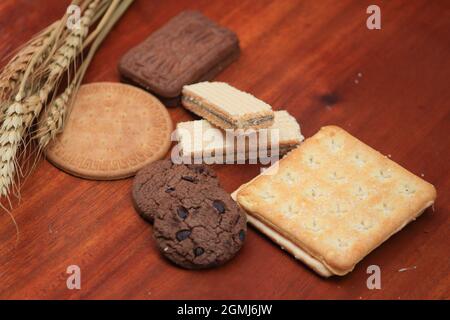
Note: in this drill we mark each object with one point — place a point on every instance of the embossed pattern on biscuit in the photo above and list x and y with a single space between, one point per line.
114 130
181 52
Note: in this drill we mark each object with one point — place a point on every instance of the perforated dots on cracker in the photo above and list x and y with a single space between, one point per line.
350 199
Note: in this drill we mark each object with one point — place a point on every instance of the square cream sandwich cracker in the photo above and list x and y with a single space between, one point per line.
227 107
333 200
199 138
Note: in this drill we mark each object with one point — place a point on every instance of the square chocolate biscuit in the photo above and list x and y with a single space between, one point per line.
188 49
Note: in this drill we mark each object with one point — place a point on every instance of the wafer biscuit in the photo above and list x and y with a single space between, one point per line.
200 139
227 107
333 200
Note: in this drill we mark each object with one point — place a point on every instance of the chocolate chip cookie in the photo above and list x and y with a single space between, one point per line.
153 184
200 227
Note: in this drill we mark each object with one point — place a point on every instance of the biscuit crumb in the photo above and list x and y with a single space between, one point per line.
407 269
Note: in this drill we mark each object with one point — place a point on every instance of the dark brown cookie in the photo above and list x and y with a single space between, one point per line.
154 183
188 49
200 227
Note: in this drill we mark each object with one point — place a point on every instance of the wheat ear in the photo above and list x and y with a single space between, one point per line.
71 47
53 119
13 73
20 115
55 115
17 116
57 109
43 53
22 65
63 58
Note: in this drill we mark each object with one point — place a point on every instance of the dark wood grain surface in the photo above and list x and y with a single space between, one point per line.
317 59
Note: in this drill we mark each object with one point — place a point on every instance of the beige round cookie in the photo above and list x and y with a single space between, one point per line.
113 130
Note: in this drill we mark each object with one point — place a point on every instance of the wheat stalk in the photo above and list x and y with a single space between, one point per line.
54 117
71 47
44 52
21 66
27 81
19 116
13 73
56 112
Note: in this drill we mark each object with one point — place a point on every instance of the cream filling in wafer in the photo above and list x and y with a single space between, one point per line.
249 122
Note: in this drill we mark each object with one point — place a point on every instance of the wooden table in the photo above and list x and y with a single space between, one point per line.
318 60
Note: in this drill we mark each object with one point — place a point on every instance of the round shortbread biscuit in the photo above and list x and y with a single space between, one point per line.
113 131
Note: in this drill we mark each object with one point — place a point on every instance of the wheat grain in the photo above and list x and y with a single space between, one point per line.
18 118
72 46
54 117
15 69
20 115
63 58
45 51
13 73
34 73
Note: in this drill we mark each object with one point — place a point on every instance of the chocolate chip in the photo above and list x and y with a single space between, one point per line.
219 206
198 251
170 189
242 235
183 235
182 212
189 178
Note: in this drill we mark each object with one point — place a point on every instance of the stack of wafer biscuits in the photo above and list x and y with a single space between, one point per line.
201 139
236 125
